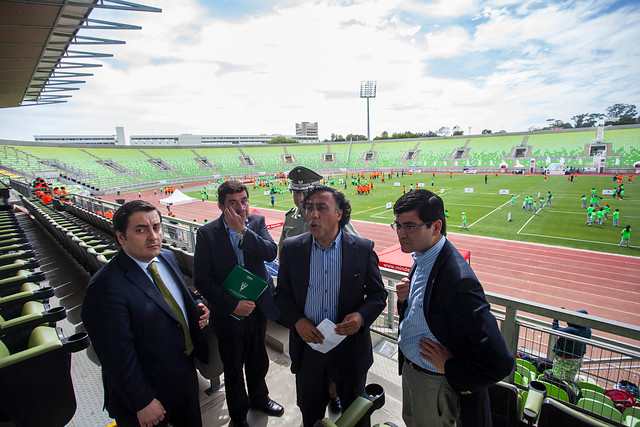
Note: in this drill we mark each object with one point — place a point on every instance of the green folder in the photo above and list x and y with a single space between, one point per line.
242 284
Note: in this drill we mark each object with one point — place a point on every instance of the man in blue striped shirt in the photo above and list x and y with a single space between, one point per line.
328 274
450 346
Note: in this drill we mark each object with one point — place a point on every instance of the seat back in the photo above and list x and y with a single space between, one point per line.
631 416
554 413
506 405
555 391
601 409
597 396
584 385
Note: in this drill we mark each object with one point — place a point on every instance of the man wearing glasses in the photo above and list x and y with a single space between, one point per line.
450 346
328 274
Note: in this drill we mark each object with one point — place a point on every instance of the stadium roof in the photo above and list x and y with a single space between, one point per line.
38 41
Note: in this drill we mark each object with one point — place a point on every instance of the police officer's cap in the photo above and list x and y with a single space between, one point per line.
303 178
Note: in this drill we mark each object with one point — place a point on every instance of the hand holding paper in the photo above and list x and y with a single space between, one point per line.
331 339
308 332
350 325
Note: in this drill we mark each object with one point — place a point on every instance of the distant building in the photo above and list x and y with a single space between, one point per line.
187 139
307 129
76 139
179 140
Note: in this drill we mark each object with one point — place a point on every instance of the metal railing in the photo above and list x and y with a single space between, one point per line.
613 351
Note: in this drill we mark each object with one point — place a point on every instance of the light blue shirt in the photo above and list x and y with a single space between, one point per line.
235 242
414 325
167 278
325 268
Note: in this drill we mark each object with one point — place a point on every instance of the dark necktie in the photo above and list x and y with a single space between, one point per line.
173 304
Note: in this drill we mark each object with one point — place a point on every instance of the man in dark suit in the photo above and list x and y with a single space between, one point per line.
328 274
145 340
238 237
450 346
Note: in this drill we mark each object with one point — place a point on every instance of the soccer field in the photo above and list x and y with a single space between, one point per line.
562 224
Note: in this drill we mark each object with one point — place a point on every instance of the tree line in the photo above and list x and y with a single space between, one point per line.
616 115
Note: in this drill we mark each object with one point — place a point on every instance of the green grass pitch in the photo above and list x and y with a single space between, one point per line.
562 224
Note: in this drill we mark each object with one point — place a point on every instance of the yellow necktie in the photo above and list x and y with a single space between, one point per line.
173 304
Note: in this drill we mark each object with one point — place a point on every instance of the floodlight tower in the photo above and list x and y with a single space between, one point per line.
368 90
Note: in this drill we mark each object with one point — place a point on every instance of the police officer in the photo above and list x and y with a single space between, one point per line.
294 222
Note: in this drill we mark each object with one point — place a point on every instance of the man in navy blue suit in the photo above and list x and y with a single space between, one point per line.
328 274
145 327
238 238
450 346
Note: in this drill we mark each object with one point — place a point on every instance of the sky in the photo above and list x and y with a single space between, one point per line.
224 67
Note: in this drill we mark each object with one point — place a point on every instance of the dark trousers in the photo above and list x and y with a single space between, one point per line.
186 414
245 352
312 384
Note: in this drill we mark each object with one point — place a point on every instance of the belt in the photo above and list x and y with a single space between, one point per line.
423 370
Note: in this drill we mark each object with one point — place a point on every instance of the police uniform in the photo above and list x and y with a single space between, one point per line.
294 223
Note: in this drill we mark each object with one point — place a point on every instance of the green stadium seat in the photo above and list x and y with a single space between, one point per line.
554 413
601 409
38 368
631 416
585 385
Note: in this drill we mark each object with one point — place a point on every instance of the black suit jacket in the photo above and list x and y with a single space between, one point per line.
457 313
361 290
213 260
138 338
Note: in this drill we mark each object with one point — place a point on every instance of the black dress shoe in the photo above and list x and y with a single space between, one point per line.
240 424
272 408
335 405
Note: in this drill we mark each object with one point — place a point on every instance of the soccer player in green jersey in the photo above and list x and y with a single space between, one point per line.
616 216
626 233
600 215
464 220
590 210
584 201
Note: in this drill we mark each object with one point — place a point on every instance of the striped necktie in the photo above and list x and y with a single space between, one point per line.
173 304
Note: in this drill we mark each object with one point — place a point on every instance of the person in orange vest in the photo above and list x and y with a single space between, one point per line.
46 198
56 191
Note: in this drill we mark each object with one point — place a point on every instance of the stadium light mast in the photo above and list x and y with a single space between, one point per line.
368 90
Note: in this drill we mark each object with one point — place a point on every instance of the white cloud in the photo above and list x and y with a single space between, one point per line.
441 8
190 70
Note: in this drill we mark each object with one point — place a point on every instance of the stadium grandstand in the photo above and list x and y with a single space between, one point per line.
102 169
57 201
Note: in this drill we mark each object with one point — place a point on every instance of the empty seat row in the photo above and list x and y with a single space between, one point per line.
34 355
101 222
91 250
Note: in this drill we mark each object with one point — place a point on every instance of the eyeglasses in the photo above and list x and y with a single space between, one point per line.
409 228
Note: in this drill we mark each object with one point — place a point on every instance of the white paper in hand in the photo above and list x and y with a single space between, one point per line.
331 339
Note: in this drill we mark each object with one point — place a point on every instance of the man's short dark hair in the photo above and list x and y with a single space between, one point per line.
429 206
341 201
230 187
121 217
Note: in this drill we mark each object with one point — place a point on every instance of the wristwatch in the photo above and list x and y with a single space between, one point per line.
241 234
